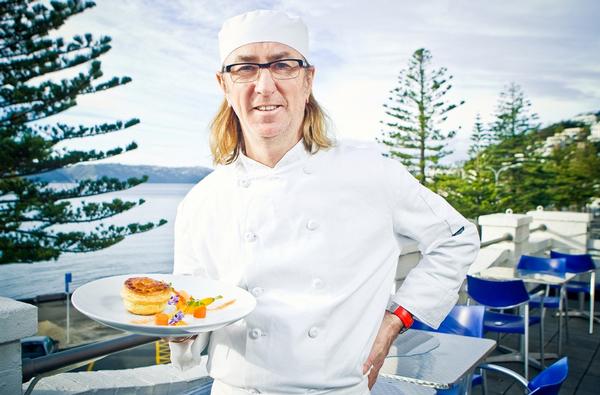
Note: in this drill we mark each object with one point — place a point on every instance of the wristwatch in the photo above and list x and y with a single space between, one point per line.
404 315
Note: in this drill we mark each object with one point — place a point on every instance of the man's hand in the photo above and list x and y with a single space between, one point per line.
388 331
185 351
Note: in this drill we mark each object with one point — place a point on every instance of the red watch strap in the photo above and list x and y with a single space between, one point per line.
406 317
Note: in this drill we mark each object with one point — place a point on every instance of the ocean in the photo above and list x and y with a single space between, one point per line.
149 252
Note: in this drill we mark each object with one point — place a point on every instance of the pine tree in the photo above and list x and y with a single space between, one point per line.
480 138
513 116
512 131
471 190
513 121
29 208
417 107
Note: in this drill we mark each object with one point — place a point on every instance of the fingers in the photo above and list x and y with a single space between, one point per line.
373 376
178 339
367 365
371 368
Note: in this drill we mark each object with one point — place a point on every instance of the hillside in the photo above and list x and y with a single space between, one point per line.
156 174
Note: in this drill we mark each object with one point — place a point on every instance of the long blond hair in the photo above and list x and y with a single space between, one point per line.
226 140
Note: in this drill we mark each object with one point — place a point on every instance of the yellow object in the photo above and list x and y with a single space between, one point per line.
163 353
207 301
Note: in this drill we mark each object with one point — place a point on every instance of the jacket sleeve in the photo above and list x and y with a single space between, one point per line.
447 241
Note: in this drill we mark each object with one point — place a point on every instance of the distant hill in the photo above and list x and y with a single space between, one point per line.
156 174
580 128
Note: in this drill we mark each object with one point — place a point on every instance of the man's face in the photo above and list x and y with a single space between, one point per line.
268 108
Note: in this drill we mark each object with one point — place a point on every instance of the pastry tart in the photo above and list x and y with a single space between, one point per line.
145 296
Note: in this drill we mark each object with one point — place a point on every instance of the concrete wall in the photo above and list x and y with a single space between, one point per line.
17 320
569 230
150 380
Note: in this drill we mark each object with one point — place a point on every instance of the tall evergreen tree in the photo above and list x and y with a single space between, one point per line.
480 138
512 130
417 107
513 116
471 190
513 123
29 208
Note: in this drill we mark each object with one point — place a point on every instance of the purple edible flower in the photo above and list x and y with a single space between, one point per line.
173 299
176 318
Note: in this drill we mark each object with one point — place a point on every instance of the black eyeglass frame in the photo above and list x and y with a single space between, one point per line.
302 63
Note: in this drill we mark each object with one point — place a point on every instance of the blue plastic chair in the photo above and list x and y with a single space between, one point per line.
552 266
540 297
581 264
505 295
464 321
548 382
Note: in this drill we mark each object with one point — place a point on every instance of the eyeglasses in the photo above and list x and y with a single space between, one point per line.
282 69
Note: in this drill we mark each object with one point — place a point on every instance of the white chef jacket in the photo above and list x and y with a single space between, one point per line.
316 240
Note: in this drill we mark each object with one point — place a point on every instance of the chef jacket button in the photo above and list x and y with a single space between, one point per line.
307 170
317 283
255 333
313 332
250 237
257 291
312 225
244 183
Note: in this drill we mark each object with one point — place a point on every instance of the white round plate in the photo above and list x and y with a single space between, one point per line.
101 300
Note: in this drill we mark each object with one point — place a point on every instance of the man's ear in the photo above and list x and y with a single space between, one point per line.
221 82
223 86
310 76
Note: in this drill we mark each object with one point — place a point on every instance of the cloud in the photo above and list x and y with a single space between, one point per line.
169 48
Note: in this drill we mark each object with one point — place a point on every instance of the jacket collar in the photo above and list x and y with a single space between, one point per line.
295 155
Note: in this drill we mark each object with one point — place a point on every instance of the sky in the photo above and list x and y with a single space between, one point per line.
550 48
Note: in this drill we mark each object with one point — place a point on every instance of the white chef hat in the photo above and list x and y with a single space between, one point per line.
260 26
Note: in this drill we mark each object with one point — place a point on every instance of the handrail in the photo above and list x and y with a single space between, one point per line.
542 228
58 362
490 366
506 237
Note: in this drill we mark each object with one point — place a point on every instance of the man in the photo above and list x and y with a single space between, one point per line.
311 228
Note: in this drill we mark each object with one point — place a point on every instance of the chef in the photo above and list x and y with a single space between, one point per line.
312 227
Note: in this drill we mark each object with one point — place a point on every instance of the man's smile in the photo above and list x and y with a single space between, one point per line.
267 108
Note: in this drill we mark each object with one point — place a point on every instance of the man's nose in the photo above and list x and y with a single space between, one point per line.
265 84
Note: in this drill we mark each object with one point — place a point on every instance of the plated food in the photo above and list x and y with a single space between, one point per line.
147 296
162 305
